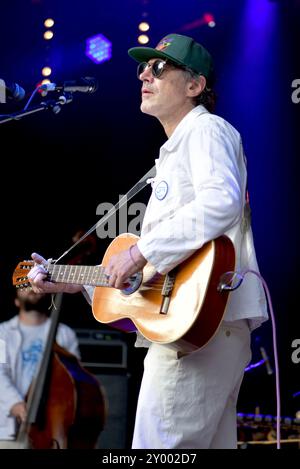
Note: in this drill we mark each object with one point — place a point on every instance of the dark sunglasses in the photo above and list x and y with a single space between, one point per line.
157 67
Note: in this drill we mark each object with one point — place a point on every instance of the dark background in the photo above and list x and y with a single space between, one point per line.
56 169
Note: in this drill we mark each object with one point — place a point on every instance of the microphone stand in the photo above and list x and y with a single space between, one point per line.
53 105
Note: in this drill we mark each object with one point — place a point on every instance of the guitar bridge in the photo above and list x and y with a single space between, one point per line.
167 291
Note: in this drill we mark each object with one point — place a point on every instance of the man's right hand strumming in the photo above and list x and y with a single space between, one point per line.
38 279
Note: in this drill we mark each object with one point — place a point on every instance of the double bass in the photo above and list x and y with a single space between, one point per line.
66 405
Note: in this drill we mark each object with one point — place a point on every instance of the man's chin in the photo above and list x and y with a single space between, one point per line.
146 109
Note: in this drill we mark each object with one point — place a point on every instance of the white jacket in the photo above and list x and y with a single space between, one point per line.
11 336
199 194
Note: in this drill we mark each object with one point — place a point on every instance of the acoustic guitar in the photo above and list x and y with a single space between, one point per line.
183 308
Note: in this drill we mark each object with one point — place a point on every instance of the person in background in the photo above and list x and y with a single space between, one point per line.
25 336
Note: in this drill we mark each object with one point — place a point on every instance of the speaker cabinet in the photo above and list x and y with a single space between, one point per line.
115 388
104 354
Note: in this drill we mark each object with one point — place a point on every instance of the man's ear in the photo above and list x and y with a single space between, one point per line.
196 86
17 302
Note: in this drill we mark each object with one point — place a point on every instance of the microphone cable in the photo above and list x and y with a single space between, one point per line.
231 281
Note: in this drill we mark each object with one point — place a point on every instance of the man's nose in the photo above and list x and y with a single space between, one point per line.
146 75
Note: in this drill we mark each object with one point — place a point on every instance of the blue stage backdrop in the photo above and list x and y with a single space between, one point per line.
59 167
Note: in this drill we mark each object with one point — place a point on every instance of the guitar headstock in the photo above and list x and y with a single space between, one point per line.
20 279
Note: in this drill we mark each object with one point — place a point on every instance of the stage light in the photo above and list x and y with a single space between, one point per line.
44 82
49 22
48 35
144 26
46 71
206 19
98 48
209 20
143 39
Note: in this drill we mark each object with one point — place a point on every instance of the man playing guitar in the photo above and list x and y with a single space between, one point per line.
187 398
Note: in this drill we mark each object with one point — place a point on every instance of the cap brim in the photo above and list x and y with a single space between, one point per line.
143 54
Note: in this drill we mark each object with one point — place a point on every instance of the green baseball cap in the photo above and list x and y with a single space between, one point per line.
181 50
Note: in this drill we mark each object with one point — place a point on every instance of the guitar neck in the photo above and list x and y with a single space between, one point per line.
78 274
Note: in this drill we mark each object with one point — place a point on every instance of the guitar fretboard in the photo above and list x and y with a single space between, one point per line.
78 274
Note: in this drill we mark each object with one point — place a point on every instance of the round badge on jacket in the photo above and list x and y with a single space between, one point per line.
161 190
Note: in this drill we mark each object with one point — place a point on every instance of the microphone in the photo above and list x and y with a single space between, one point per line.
10 90
266 360
83 85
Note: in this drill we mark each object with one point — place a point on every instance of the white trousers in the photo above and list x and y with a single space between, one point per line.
190 402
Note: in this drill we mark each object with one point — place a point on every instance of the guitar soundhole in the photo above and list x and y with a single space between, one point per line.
134 283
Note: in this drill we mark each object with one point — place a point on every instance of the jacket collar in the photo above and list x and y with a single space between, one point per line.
185 123
14 322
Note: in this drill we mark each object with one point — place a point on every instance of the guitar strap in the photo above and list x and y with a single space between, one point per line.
141 184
